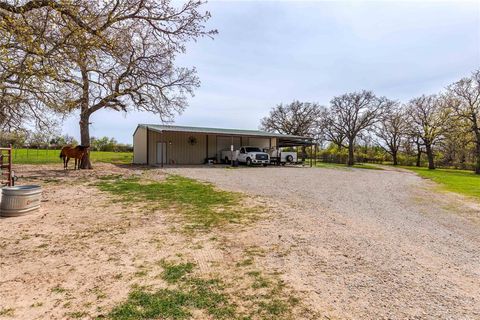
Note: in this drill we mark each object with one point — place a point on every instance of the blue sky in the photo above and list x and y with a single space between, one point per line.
270 52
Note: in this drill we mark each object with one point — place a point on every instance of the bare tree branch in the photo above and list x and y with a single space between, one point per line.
351 114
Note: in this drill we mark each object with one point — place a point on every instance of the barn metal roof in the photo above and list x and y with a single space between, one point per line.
239 132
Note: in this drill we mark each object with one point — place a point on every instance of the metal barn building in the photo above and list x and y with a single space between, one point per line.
172 145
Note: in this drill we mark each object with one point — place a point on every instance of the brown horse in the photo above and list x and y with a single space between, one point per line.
77 153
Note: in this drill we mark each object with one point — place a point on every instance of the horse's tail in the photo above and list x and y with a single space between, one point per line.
62 153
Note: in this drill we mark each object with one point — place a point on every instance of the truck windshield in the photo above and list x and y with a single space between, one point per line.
252 149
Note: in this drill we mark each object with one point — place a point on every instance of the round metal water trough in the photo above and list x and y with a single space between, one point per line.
20 200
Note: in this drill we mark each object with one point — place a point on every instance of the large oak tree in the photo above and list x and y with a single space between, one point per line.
428 120
465 101
94 55
391 130
296 118
352 113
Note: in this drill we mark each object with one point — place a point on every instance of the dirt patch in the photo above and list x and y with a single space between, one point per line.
86 251
355 244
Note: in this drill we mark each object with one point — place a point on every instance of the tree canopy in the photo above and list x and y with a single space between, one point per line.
297 118
87 55
352 113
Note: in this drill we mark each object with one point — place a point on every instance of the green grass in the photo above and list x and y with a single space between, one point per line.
275 307
173 273
343 166
460 181
177 303
187 292
33 156
202 205
259 280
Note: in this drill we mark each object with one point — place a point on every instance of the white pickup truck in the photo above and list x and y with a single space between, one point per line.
247 155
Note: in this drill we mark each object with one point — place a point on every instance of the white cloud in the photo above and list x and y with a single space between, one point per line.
272 52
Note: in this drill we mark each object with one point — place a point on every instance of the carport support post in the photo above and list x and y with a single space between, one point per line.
163 151
148 147
231 153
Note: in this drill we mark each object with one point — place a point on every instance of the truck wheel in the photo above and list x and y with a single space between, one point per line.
249 162
289 158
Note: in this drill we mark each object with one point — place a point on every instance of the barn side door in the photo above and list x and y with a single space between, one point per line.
161 153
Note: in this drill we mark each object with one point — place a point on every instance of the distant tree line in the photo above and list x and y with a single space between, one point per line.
39 140
109 144
440 129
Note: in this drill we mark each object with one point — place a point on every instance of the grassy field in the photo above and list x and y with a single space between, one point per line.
459 181
33 156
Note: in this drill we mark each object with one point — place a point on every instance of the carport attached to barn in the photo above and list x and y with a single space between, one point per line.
166 144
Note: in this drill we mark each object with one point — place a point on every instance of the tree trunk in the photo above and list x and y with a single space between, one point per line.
431 163
395 158
85 139
351 155
85 113
419 156
476 131
477 155
304 152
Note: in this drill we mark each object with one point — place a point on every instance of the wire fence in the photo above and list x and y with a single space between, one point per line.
39 156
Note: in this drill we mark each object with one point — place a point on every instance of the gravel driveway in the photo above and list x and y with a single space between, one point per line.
364 244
